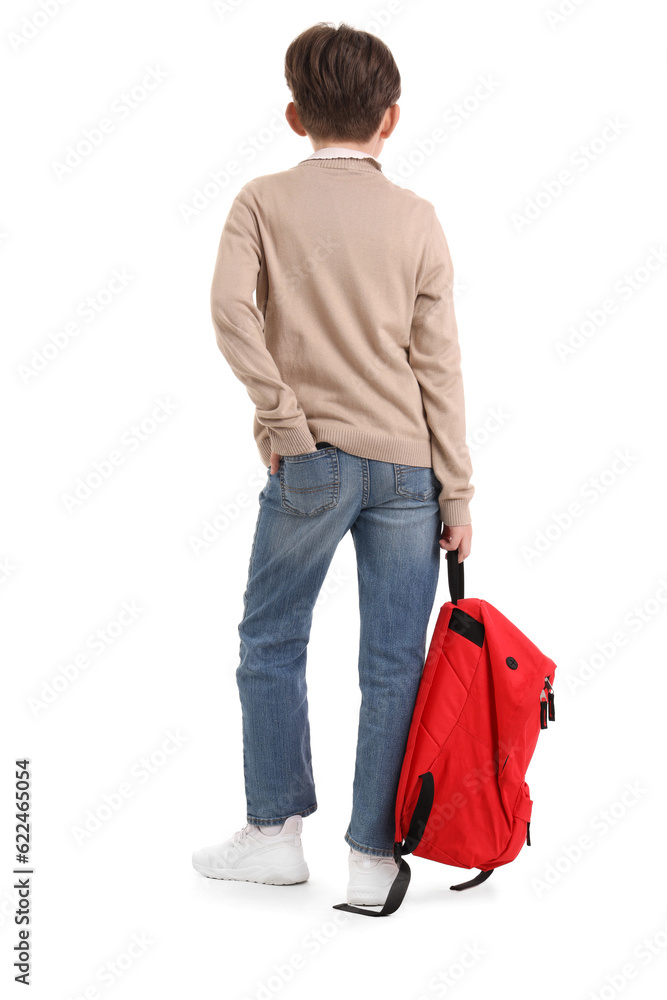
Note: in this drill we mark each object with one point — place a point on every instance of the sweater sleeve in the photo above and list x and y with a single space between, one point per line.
239 331
435 359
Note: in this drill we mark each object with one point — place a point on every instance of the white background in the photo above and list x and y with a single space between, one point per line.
521 290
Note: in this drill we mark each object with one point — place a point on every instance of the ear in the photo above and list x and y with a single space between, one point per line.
293 119
390 121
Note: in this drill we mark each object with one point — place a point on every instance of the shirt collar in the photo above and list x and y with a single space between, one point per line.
339 151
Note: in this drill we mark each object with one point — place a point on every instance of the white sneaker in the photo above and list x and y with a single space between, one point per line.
252 856
370 878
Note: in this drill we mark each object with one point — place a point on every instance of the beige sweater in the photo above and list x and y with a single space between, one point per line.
352 338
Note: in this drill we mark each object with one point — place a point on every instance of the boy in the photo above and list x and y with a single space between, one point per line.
352 360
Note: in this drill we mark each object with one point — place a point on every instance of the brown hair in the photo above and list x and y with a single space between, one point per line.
342 81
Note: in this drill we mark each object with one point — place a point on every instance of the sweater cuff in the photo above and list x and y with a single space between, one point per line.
291 440
455 513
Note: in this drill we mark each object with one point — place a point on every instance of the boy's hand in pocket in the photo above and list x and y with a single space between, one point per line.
275 461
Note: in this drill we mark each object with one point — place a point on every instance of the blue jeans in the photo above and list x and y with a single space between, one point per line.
306 507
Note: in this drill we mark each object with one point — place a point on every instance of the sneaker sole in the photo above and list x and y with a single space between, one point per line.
266 876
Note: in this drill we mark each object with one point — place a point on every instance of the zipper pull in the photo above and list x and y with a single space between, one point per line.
528 833
550 700
543 710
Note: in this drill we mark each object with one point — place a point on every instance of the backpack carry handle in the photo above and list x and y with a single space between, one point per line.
454 575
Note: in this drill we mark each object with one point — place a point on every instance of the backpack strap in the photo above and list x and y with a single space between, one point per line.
454 576
399 886
477 880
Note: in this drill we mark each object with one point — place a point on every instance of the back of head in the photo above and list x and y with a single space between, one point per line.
342 81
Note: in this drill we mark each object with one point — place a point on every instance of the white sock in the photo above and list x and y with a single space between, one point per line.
361 856
270 831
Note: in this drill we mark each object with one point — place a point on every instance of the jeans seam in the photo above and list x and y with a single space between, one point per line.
365 478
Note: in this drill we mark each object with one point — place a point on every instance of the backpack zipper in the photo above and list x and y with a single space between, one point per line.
547 707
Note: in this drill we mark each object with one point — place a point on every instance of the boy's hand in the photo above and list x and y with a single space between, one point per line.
458 537
275 460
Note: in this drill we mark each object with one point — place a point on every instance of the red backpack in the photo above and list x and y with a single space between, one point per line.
485 693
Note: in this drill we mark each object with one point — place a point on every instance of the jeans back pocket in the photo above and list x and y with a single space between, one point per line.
416 481
309 483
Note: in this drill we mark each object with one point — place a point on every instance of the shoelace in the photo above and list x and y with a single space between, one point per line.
241 835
